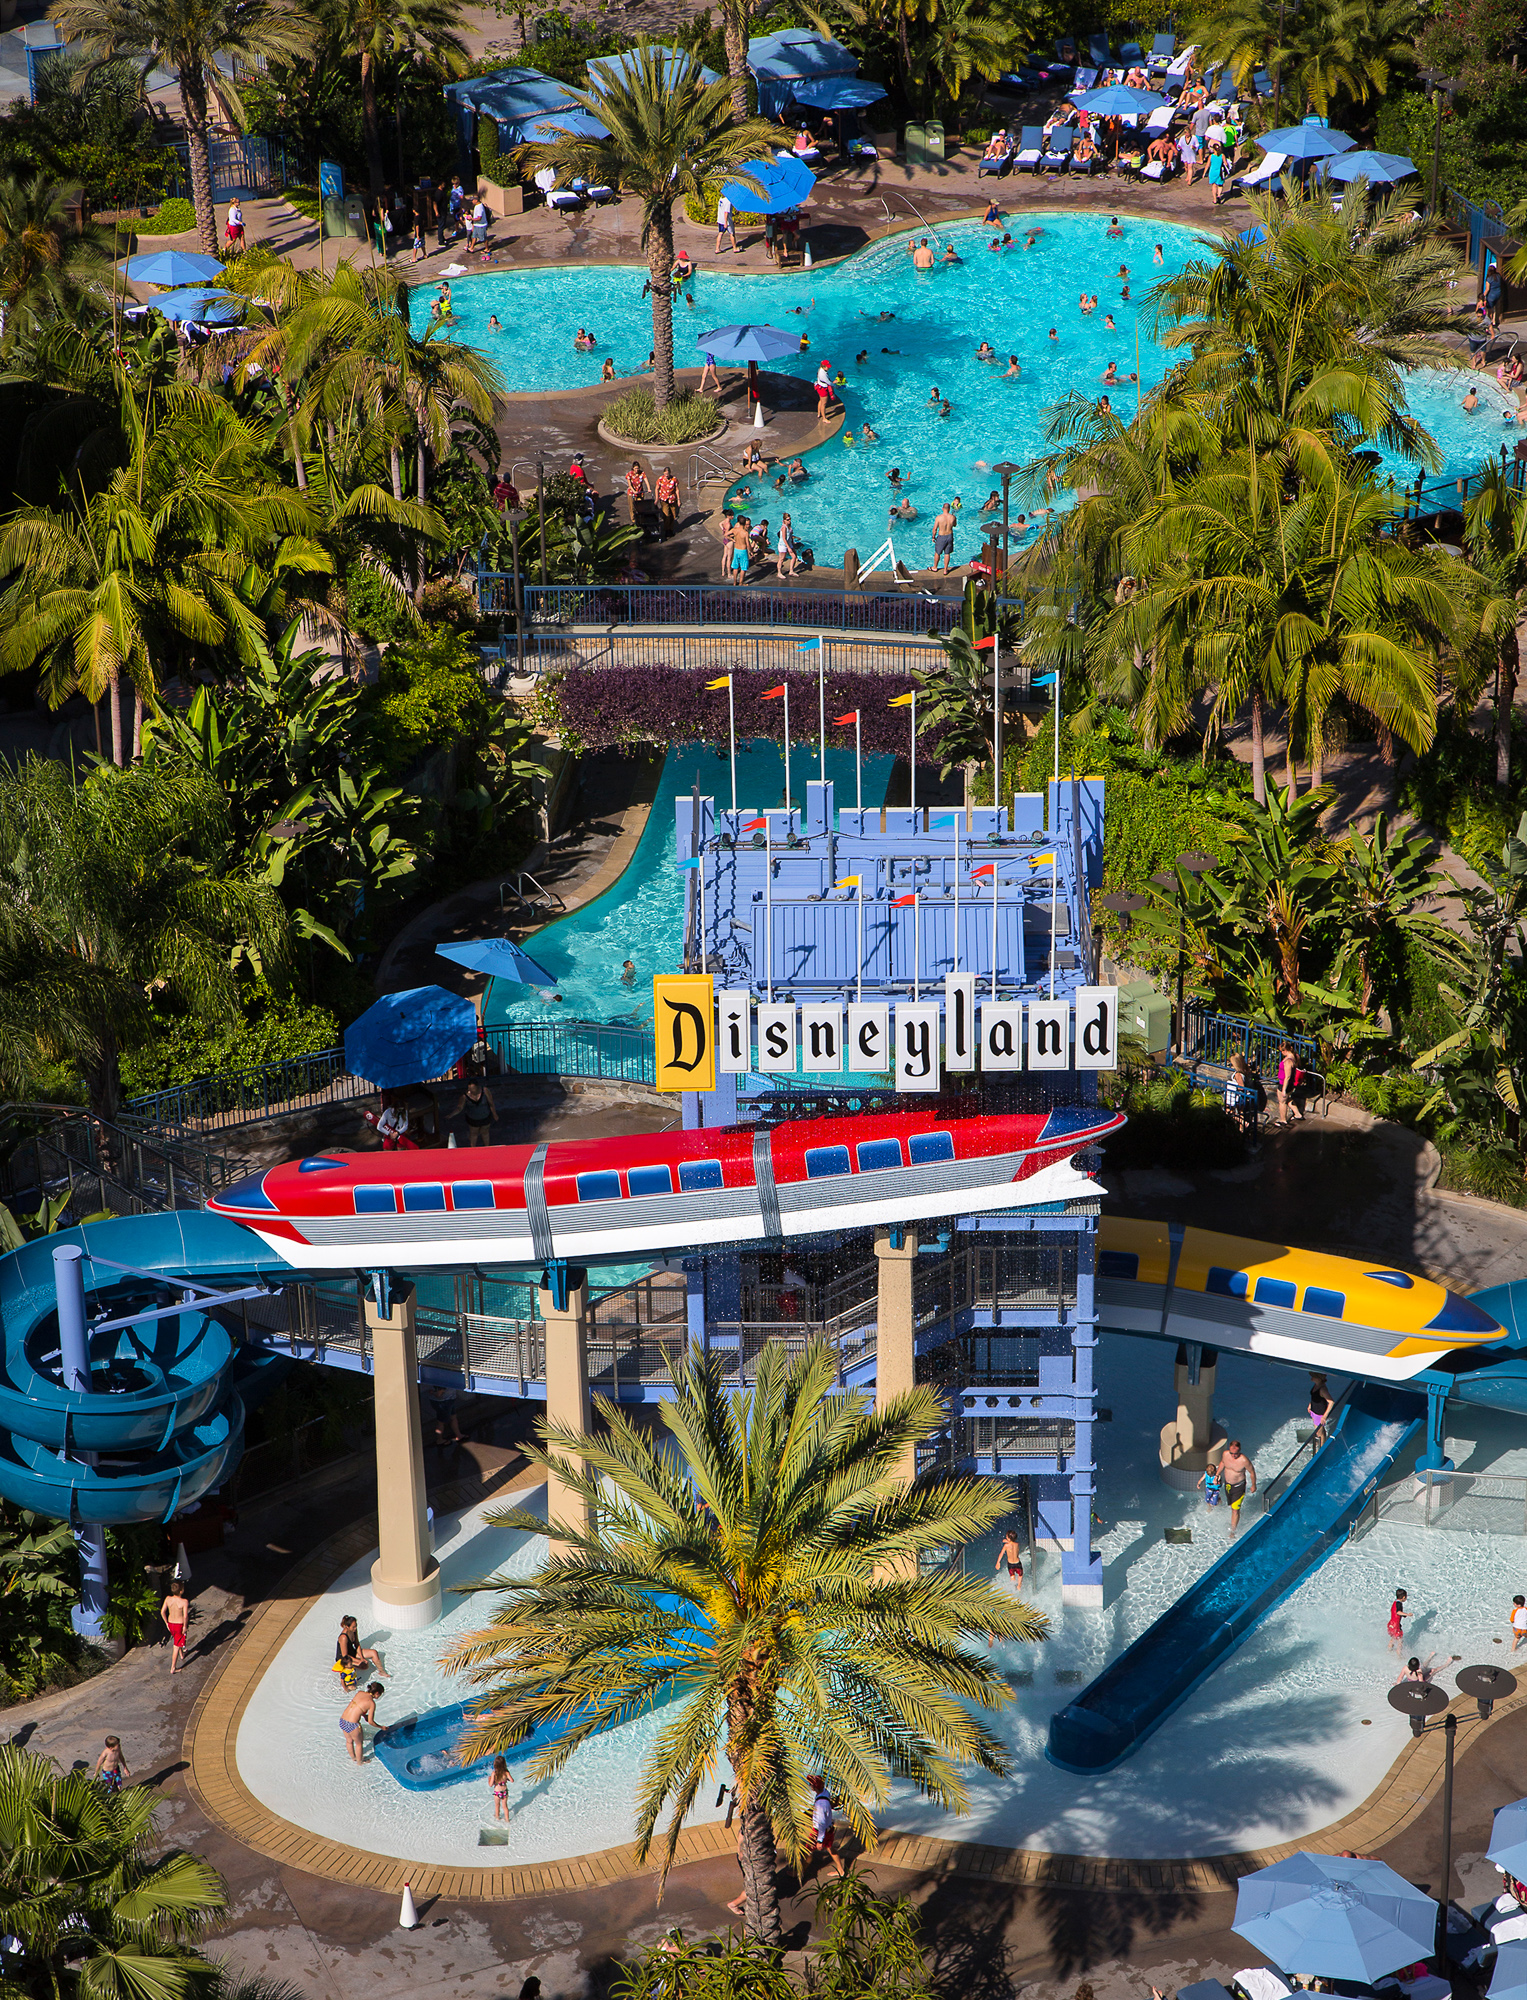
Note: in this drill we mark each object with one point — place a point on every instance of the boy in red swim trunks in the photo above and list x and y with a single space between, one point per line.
176 1613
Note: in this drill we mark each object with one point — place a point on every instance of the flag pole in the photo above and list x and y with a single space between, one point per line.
996 871
1057 725
996 724
956 892
859 991
1054 900
822 702
858 766
787 747
731 733
704 947
769 908
917 947
913 755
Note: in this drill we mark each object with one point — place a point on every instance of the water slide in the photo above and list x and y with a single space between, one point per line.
1264 1563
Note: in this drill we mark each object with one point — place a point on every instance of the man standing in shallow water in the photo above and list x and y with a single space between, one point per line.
922 257
943 538
1240 1478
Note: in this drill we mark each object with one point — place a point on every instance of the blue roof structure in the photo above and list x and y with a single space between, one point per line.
676 63
515 96
791 56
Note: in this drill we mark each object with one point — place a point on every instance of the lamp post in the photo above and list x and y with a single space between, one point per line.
1166 879
1441 86
1006 472
513 514
541 511
1124 908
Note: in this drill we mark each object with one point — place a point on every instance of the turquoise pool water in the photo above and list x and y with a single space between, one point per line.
1010 298
641 917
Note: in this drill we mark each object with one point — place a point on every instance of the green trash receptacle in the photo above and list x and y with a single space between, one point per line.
914 146
933 139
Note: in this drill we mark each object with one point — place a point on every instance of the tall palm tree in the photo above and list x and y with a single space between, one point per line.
383 31
46 264
1315 54
83 1893
111 885
186 37
1495 538
806 1637
667 138
964 39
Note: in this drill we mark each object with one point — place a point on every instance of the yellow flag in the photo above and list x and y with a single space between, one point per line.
848 881
684 1030
901 700
724 682
1040 860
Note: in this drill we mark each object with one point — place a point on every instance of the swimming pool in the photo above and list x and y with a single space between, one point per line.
1010 298
1295 1726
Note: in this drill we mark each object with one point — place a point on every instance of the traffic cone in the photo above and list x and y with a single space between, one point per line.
182 1563
807 255
758 420
408 1916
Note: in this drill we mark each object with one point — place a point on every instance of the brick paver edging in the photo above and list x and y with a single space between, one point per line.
212 1734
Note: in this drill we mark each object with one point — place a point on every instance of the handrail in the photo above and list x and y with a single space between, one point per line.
704 454
1284 1477
923 611
932 228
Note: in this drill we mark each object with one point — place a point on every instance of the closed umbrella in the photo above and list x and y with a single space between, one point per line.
1306 142
409 1036
1508 1981
749 343
1508 1839
199 302
1334 1917
171 267
1118 100
785 183
1371 166
500 958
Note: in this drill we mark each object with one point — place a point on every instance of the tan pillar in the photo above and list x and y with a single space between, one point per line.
405 1578
895 1324
1186 1442
567 1384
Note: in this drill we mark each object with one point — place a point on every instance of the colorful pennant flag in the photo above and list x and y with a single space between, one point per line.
752 825
852 716
724 682
901 700
901 902
986 868
772 694
848 881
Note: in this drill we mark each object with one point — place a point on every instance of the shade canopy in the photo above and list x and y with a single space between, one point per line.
551 126
749 343
1371 166
792 56
1508 1981
171 267
1508 1839
786 183
676 63
1118 100
1306 142
1335 1917
200 302
838 93
500 958
515 96
406 1037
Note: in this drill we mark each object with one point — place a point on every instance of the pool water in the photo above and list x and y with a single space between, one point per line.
1010 298
1295 1726
641 917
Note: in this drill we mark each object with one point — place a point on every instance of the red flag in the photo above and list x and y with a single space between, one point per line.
986 868
982 644
854 717
901 902
773 694
752 825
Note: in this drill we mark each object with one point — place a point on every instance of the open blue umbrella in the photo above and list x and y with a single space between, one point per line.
1371 166
171 267
409 1036
1306 142
1118 100
749 343
1253 236
200 302
1508 1839
1335 1917
500 958
1508 1981
785 181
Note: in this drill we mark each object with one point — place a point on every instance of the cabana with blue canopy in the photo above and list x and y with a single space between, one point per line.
554 125
1371 166
784 181
515 96
838 93
793 56
676 63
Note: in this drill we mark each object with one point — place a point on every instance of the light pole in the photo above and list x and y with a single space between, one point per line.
513 514
541 511
1166 879
1006 472
1440 86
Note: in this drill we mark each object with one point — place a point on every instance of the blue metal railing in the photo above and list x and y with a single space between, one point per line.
714 604
1447 495
1482 221
1209 1040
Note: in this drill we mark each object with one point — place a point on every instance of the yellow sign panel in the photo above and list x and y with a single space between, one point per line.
684 1025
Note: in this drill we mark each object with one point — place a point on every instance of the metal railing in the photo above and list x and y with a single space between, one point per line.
909 611
1209 1040
704 466
1478 1503
619 648
1448 495
1271 1491
1481 221
104 1167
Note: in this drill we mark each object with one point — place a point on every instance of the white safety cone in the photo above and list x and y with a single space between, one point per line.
451 1140
807 257
408 1916
758 422
182 1563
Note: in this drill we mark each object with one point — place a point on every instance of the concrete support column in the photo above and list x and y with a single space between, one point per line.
895 1323
564 1306
1188 1439
405 1578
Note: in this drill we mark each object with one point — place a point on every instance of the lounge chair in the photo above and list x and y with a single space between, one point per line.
1018 82
1098 50
1182 61
1031 150
1096 164
996 163
1160 122
564 198
1263 175
1065 50
1056 157
1162 51
1262 84
1084 79
1158 171
1131 55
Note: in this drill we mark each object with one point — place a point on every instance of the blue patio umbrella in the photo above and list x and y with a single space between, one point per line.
409 1036
200 302
1305 142
785 182
500 958
1372 166
1118 100
676 63
171 267
1335 1917
1508 1839
749 343
1253 236
1508 1980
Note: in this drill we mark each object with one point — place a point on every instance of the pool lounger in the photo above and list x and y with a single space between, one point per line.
998 164
1031 151
1098 50
1260 176
1083 80
1162 51
1160 121
565 199
1057 158
1157 171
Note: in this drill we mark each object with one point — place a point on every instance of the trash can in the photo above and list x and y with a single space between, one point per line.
933 139
914 146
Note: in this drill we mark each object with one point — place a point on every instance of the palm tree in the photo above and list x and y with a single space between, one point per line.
963 40
111 886
807 1636
379 31
1317 53
46 265
92 1907
186 37
1495 536
667 139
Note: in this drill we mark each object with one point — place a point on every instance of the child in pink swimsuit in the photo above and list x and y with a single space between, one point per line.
499 1785
1397 1615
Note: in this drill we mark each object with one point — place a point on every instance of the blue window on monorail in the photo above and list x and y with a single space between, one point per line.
877 1153
1225 1284
650 1180
824 1161
428 1196
376 1201
1275 1292
1118 1264
1331 1304
471 1194
599 1187
696 1176
928 1148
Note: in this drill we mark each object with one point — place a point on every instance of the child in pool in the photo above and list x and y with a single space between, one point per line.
1211 1487
498 1783
1397 1616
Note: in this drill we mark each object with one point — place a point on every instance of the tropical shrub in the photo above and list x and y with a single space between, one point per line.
701 208
1173 1125
170 218
592 709
180 1049
635 415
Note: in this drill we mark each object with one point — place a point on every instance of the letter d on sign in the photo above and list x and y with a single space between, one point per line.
683 1027
1097 1027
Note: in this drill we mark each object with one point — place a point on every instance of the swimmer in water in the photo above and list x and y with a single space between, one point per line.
861 357
986 352
890 350
951 256
1113 231
1108 322
894 476
1156 256
869 436
1110 374
1053 334
947 408
1012 370
934 398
